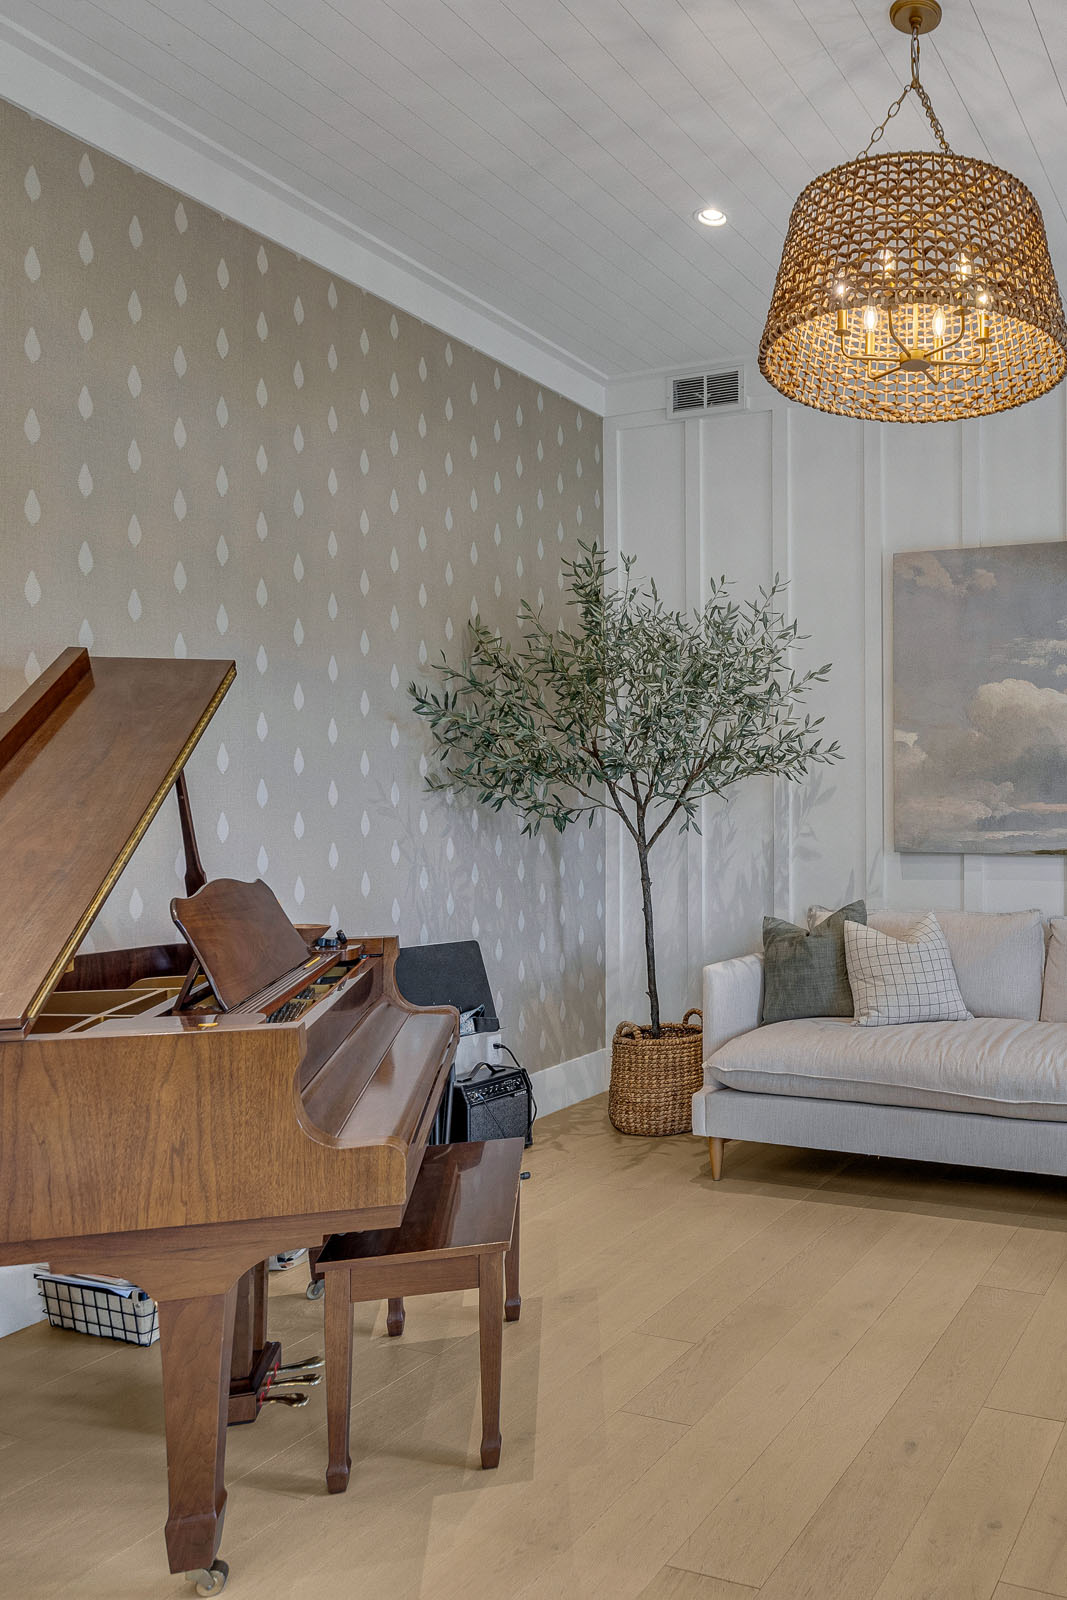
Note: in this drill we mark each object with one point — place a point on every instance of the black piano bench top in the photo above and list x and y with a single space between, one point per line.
463 1203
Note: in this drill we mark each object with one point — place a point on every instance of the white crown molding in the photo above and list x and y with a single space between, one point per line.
53 86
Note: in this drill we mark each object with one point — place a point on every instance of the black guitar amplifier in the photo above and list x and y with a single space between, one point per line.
494 1105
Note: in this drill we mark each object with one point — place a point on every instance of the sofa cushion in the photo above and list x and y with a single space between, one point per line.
804 972
903 980
1054 991
999 956
996 1066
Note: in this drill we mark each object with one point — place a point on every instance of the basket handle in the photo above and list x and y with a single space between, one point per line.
628 1030
694 1011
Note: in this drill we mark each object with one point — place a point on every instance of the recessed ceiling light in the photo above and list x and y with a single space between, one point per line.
711 217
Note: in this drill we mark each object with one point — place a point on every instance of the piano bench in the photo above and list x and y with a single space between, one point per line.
460 1231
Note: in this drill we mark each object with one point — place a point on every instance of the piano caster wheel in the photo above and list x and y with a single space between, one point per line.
210 1580
315 1291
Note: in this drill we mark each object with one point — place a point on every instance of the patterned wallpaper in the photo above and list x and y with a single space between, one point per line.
212 448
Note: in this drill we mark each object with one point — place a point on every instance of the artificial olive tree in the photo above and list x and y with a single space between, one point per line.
636 709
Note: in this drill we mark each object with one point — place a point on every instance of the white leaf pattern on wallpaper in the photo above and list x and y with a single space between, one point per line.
221 451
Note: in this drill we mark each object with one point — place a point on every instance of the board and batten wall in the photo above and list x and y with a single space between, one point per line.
825 502
212 447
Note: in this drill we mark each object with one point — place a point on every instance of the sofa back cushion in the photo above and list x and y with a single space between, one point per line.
1054 994
999 957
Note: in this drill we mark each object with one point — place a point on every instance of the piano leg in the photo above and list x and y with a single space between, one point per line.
255 1357
338 1380
196 1338
512 1298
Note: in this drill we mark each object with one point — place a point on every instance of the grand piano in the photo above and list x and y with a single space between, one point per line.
169 1123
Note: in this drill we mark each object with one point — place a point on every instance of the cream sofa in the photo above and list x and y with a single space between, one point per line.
988 1092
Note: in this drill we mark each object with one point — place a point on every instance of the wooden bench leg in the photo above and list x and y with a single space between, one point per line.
512 1298
715 1150
491 1336
338 1379
395 1318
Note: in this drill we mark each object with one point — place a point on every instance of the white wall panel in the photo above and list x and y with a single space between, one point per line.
652 504
921 499
1021 468
826 577
651 477
733 859
827 502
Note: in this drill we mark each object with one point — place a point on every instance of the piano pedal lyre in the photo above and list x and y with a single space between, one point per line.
298 1375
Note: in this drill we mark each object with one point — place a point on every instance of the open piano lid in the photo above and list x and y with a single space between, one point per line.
87 756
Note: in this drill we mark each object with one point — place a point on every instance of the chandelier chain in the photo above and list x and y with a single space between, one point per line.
915 87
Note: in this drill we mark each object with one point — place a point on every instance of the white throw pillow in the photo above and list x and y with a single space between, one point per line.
902 980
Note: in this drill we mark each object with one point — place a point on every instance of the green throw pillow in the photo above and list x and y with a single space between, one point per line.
804 974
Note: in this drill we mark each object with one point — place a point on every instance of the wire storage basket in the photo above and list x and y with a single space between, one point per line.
653 1080
108 1308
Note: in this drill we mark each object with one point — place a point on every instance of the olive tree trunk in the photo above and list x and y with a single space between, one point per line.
641 840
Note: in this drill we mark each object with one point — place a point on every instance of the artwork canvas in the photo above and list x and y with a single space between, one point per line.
980 692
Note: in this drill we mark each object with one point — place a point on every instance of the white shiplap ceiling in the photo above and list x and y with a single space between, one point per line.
545 156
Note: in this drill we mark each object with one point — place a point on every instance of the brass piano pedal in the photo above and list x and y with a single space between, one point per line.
308 1380
283 1400
312 1364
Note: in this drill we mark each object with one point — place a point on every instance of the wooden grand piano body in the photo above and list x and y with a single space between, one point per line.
177 1150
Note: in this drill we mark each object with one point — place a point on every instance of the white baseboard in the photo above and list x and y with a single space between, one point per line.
570 1081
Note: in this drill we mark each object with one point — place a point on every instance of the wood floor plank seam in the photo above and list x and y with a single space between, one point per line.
1013 1411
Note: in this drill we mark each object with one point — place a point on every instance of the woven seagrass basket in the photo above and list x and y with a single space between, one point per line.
653 1080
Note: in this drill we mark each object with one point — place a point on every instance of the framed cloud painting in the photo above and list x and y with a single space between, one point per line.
980 690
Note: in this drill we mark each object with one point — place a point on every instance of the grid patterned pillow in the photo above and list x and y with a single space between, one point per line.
902 980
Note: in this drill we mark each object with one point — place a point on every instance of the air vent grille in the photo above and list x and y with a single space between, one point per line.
689 394
706 391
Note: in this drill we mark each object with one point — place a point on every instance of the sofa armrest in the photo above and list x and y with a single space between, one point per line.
733 1000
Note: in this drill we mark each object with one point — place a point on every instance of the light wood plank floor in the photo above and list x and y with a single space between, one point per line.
822 1379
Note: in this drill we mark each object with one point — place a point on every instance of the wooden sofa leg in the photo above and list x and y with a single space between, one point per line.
715 1150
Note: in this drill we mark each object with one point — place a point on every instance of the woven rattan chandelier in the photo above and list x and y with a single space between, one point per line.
915 287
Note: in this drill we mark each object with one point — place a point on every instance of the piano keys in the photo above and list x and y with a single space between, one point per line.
180 1147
